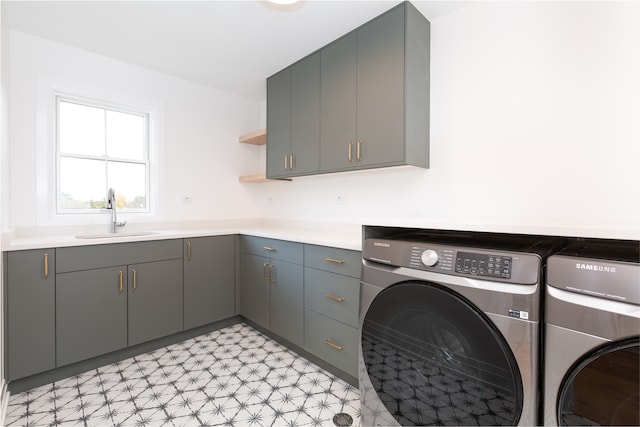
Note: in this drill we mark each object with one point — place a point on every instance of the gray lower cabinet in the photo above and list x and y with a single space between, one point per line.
255 289
108 297
155 300
271 286
332 304
91 315
30 302
209 280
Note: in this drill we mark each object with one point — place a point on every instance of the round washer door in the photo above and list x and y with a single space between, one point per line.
603 388
433 358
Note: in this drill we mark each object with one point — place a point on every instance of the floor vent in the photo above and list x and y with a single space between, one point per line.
342 420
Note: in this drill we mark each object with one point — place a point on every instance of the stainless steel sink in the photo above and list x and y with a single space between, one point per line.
115 235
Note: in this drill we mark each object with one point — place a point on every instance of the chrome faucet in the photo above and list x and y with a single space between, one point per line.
111 204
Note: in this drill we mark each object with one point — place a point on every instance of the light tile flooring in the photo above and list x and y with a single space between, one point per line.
235 376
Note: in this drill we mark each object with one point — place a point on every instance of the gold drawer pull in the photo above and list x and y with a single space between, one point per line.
269 248
334 298
334 345
46 265
121 284
337 261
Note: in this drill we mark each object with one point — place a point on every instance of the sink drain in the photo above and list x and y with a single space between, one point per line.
342 419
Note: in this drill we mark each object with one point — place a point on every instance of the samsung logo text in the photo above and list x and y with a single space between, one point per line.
594 267
384 245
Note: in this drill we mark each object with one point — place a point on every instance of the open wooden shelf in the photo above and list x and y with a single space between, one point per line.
258 177
258 137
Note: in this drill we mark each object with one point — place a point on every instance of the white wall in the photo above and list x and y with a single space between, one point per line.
201 157
4 147
534 127
534 108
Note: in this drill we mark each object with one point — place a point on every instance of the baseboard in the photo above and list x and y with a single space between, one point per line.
4 402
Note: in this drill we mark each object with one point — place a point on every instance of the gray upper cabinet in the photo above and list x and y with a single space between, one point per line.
209 280
374 99
30 317
338 109
293 119
375 94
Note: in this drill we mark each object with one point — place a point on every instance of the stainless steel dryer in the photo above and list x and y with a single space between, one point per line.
449 329
592 342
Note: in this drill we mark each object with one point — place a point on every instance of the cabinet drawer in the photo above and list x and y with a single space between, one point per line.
332 295
332 341
273 248
341 261
99 256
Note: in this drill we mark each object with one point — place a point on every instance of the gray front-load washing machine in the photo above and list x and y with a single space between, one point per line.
449 329
592 338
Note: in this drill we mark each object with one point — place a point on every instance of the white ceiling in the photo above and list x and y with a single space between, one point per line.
229 45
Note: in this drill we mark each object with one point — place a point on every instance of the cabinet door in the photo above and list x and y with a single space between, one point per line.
305 115
30 312
155 300
278 123
338 106
380 93
254 289
287 301
209 280
91 313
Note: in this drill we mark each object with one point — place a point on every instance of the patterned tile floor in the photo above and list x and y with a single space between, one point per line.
235 376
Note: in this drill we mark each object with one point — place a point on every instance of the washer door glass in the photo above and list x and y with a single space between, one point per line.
435 359
603 388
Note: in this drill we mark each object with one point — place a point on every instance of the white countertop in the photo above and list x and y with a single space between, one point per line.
346 236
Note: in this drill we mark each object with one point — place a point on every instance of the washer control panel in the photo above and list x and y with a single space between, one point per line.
478 264
488 264
436 257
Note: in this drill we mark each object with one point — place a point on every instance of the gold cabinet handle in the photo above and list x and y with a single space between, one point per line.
335 298
358 145
272 276
334 345
337 261
291 166
269 248
286 162
121 282
135 279
188 251
46 265
349 152
265 276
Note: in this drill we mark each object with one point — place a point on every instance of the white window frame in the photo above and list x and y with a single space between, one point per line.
61 97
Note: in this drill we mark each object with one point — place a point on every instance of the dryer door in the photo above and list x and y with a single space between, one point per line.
603 388
433 358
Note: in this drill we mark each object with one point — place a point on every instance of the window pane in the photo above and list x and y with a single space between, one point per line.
129 182
125 135
81 129
83 183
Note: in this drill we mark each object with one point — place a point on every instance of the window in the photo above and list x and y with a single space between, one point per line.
100 147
